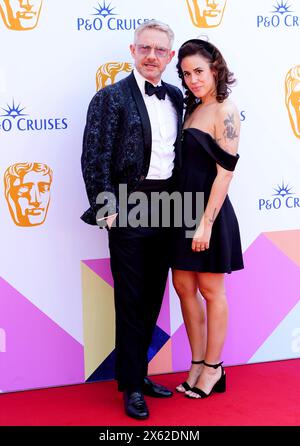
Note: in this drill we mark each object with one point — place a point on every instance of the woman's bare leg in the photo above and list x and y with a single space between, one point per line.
193 312
213 290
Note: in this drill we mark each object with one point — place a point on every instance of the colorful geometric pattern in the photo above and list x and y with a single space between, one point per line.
99 323
282 341
98 317
262 295
264 299
34 351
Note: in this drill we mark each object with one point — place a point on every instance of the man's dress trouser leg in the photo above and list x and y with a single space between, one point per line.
139 264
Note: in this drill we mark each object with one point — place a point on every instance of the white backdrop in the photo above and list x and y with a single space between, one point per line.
50 72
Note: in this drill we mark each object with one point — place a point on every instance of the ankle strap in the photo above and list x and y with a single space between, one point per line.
214 366
198 362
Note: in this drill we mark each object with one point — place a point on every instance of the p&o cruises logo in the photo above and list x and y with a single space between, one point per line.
106 17
283 15
20 15
283 198
14 118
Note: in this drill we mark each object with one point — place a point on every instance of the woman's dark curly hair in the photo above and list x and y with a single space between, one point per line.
223 76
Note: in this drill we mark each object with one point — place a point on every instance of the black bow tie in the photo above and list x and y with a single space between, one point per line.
160 92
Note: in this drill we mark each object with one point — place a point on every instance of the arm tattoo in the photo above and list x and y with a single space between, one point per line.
211 220
230 130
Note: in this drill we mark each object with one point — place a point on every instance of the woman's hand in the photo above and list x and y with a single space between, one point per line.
202 236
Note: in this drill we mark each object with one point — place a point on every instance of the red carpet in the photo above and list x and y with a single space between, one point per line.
265 394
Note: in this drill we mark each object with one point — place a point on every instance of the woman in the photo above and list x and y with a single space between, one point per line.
210 143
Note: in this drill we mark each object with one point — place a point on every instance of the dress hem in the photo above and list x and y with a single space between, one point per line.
191 269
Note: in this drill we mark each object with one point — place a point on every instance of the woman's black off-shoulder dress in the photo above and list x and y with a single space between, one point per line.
201 153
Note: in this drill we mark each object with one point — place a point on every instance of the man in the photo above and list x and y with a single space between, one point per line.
27 191
20 15
133 138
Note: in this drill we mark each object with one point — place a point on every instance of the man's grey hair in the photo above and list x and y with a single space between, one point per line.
155 24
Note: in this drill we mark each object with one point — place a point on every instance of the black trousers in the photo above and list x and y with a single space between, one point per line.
140 259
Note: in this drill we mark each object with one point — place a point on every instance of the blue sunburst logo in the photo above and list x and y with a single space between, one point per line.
13 111
104 10
281 7
283 190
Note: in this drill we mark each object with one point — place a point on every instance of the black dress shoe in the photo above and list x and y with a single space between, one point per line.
135 405
156 390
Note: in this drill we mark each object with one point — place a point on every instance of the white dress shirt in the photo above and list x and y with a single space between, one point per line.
163 120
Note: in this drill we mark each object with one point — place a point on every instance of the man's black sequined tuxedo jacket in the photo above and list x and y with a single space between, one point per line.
117 140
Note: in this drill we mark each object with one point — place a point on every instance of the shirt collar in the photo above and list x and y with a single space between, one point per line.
141 80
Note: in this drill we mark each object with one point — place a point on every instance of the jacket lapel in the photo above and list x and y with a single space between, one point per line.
146 126
178 104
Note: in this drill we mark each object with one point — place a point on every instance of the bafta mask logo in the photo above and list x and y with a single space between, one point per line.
206 13
106 73
27 192
20 15
292 98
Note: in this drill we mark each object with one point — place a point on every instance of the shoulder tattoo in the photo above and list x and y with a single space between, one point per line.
230 131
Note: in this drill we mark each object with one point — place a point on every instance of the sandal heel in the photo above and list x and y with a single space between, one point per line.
220 386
